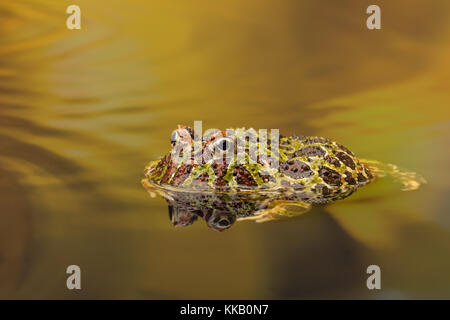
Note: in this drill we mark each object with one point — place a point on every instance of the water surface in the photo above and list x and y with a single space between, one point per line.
82 112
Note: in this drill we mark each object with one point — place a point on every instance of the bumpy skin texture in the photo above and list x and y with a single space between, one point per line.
281 182
311 169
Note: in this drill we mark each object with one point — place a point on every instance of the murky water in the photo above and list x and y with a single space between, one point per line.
82 112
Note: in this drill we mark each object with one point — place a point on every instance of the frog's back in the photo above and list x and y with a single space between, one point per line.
322 167
315 168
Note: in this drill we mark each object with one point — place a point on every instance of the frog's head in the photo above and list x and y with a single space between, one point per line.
206 161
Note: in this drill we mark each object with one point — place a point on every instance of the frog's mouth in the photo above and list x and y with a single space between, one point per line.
150 167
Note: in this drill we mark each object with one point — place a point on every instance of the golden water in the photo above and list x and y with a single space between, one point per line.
82 112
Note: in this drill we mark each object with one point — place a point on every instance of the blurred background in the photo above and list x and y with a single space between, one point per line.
83 111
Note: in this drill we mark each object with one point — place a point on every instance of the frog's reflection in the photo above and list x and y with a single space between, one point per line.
219 211
215 219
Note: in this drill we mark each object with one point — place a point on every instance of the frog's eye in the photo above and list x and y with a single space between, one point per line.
224 144
174 138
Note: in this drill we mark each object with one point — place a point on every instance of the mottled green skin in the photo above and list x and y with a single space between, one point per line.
222 190
315 169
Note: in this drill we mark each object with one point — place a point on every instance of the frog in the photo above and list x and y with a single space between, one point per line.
219 182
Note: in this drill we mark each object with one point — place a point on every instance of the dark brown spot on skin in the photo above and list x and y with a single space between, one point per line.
296 170
181 175
330 176
333 161
295 186
298 186
349 179
323 189
201 181
220 170
361 178
262 159
368 173
310 151
243 177
315 140
345 149
286 148
345 158
203 177
160 167
267 178
170 170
